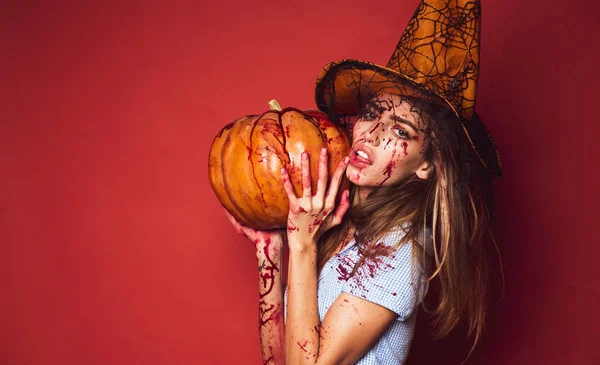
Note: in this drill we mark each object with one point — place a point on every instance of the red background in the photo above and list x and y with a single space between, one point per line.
113 248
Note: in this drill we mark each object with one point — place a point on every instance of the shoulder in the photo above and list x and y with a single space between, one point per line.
389 274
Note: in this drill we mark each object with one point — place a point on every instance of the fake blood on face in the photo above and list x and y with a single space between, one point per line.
377 125
390 165
405 147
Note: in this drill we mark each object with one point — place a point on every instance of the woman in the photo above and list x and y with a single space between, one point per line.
421 165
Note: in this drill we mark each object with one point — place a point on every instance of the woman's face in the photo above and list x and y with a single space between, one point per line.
387 143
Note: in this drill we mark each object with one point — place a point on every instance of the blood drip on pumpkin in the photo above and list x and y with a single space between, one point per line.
287 130
274 129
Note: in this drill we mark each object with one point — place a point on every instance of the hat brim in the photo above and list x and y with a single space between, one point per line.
344 87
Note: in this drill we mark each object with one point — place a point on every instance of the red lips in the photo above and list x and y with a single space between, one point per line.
359 161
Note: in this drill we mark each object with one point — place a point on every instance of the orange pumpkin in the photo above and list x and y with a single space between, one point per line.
247 155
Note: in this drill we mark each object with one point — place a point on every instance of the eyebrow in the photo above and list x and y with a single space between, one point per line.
404 121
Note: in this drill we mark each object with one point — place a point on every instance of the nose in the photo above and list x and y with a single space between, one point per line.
374 133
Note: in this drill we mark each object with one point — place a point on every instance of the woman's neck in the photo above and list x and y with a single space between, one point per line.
346 238
363 193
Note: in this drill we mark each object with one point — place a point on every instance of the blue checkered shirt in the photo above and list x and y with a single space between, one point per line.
394 281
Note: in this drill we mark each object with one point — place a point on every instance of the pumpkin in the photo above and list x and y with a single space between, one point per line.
247 155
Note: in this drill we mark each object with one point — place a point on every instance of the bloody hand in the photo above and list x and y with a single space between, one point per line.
310 215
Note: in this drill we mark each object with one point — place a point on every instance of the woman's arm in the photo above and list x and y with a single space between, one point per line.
270 306
303 324
269 249
383 290
349 328
308 216
361 314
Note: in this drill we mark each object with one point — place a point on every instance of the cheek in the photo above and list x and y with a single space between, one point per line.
396 164
391 163
358 135
358 130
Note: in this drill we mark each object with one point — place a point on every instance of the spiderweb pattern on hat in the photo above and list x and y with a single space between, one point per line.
436 61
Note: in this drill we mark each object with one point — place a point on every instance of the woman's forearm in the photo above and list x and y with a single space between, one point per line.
270 307
302 325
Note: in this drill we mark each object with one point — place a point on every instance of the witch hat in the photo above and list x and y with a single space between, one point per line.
436 59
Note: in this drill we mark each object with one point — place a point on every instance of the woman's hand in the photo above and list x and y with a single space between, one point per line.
274 239
310 215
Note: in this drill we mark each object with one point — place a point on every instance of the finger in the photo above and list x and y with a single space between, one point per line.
306 183
341 210
335 182
323 175
250 233
287 185
236 225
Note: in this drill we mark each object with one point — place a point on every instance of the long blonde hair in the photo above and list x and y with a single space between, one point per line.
452 205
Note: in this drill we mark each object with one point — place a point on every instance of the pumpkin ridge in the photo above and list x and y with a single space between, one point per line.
251 151
287 165
230 194
216 179
227 127
318 128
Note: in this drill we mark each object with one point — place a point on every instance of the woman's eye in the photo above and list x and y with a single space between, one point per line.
369 115
401 133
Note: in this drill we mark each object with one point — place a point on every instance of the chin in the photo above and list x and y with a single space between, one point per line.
359 179
353 175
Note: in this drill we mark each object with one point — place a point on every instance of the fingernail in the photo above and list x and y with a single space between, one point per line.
323 151
346 159
283 171
304 154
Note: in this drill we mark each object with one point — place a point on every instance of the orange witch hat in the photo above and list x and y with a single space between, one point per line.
436 59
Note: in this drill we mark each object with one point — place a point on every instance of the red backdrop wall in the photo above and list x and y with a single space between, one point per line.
113 248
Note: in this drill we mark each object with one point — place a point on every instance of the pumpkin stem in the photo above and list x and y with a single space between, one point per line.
274 105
